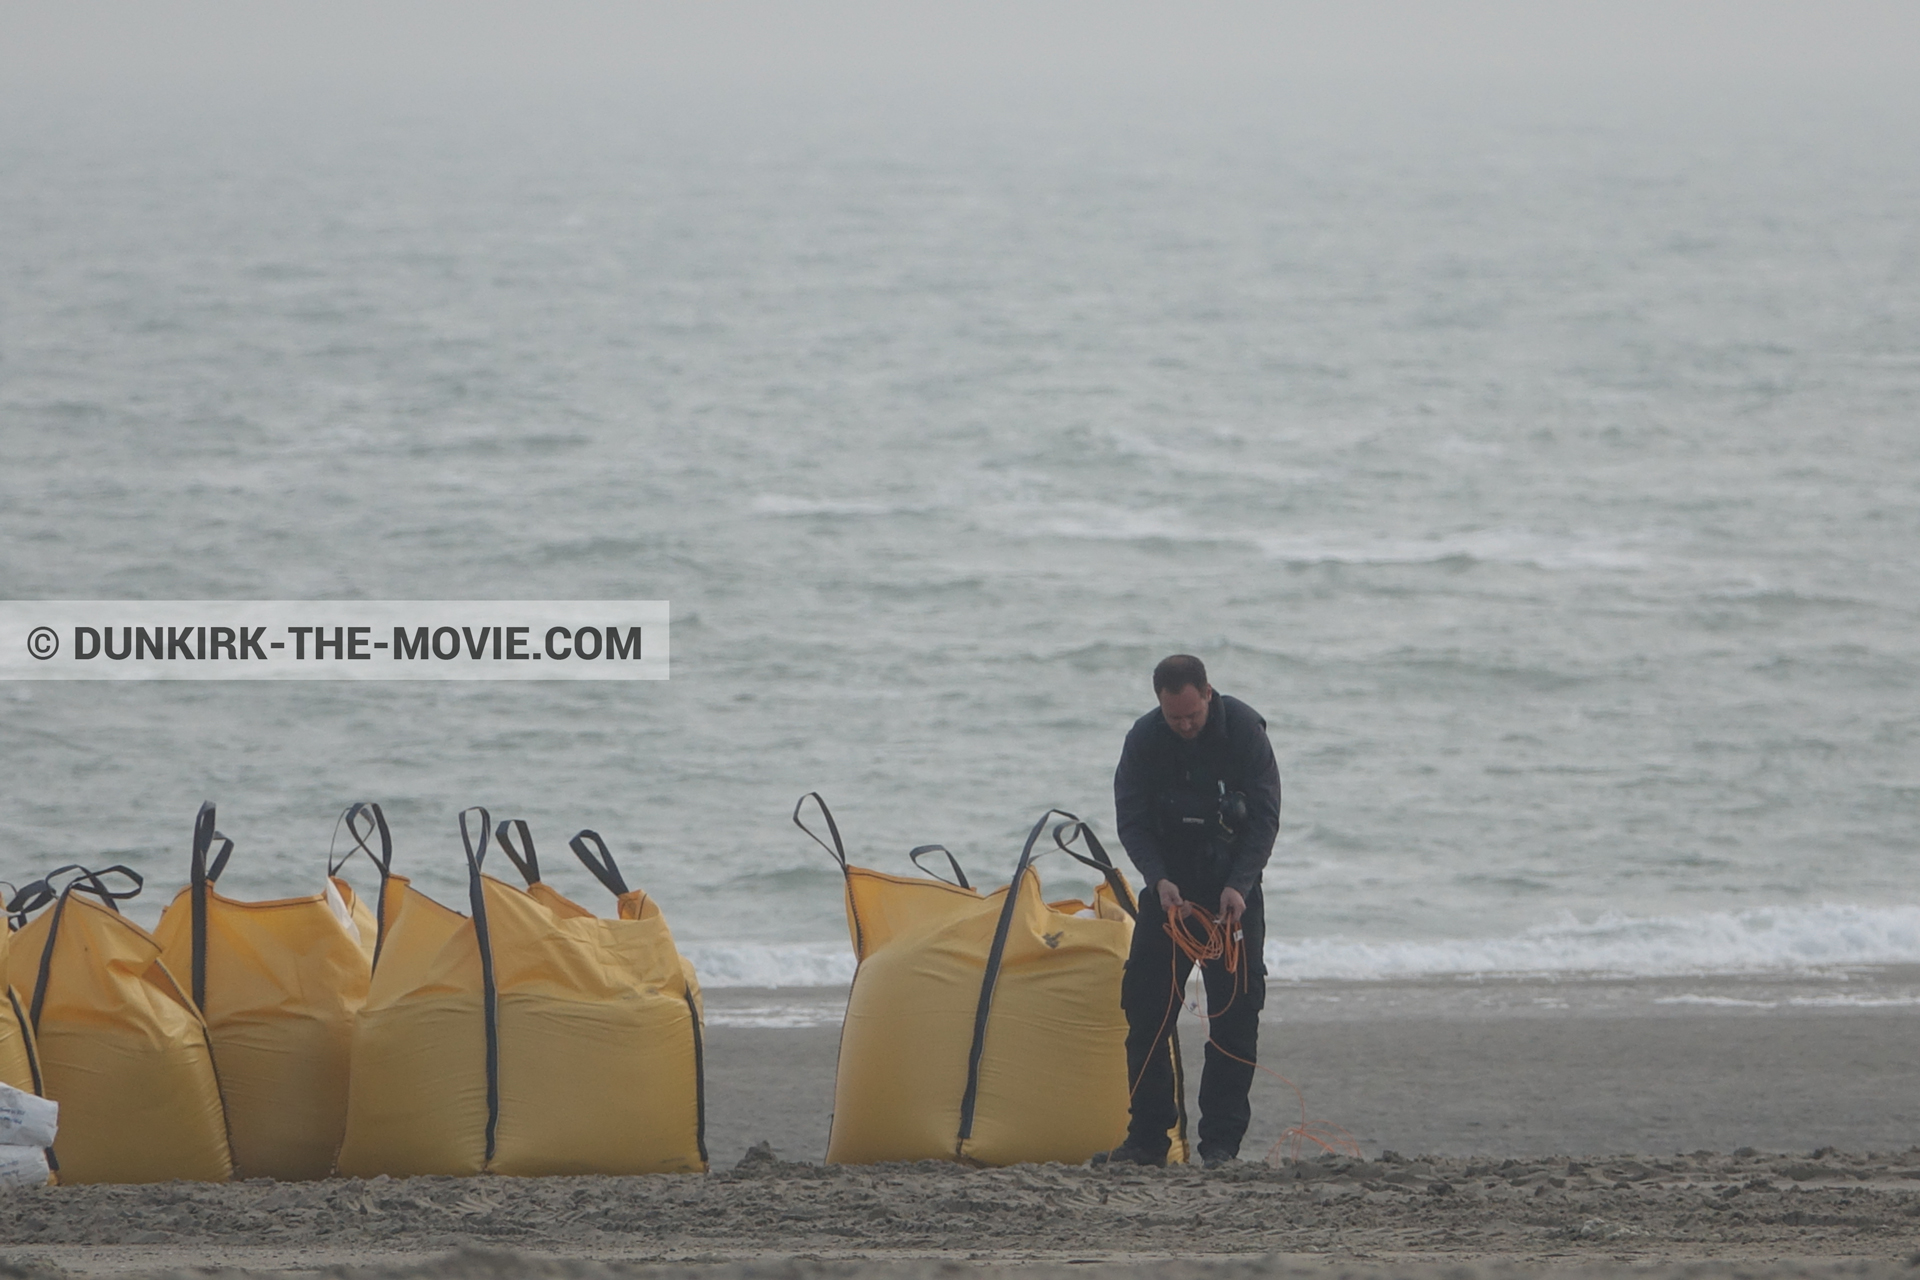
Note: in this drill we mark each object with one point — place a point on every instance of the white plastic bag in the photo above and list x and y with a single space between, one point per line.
26 1121
22 1167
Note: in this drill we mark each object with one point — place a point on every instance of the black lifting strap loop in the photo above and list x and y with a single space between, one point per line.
991 978
838 849
220 858
32 896
476 854
42 891
1027 855
599 860
527 865
477 899
362 819
204 834
1096 857
94 883
959 876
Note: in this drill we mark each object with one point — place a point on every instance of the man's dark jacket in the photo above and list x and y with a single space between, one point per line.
1231 747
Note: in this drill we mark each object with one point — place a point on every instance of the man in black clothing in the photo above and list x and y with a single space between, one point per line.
1197 795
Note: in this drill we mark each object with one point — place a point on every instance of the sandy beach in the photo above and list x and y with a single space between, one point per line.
1410 1216
1710 1125
1487 1067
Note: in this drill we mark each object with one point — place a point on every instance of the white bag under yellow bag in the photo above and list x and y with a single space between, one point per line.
23 1167
28 1126
983 1028
279 983
26 1119
523 1039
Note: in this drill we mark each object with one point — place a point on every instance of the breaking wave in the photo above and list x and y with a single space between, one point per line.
1760 940
1502 546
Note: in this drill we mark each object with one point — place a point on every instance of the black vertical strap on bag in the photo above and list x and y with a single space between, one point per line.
37 895
477 900
1097 857
699 1078
598 859
10 923
32 1048
528 864
994 957
838 851
26 1039
27 1042
362 819
203 878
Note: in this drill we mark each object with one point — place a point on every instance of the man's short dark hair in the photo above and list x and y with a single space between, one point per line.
1178 672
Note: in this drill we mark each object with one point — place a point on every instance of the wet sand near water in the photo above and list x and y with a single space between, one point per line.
1509 1068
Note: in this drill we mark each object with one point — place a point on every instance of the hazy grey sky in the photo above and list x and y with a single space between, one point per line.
1119 42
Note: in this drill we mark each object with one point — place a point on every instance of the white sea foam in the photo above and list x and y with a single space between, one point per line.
767 964
776 1016
1842 1000
1762 940
1097 523
1490 546
1510 546
781 504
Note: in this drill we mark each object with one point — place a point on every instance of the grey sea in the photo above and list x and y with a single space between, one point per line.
1548 478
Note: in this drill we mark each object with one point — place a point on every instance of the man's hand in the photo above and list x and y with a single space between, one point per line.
1232 907
1170 899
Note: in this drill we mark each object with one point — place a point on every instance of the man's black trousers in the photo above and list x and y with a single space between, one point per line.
1150 994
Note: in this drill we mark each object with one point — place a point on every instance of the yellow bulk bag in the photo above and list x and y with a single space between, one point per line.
629 904
984 1028
522 1040
122 1049
279 983
17 1065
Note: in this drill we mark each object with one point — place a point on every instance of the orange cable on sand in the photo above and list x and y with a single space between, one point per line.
1204 939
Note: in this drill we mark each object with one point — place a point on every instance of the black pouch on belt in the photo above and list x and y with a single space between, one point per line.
1189 813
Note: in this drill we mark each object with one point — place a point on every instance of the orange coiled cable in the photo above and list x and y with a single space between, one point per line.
1205 939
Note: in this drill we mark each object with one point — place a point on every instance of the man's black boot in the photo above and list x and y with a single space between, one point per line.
1130 1152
